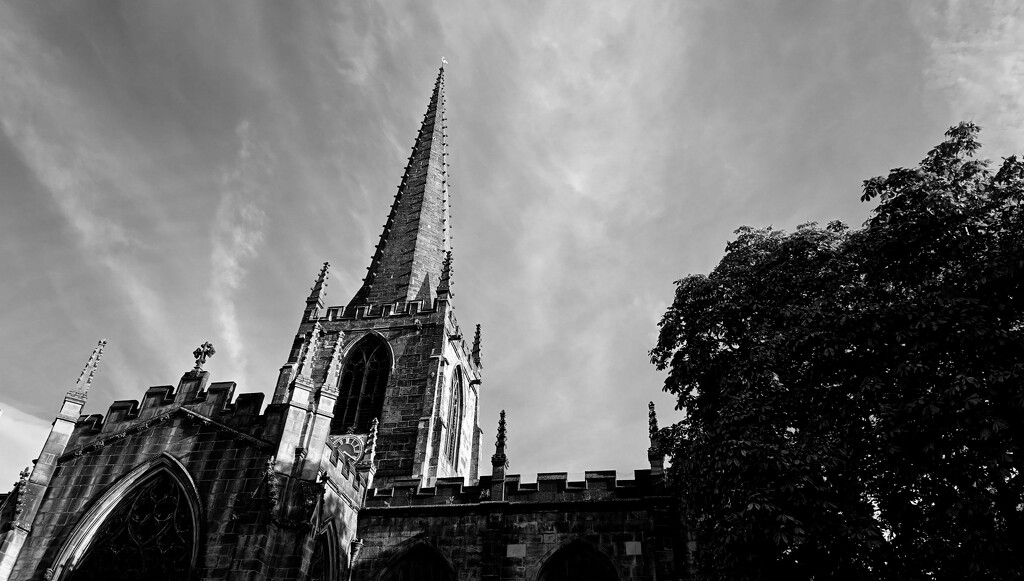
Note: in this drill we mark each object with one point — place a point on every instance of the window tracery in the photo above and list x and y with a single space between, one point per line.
149 537
320 565
362 386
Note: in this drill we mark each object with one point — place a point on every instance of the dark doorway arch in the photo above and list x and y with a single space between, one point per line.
144 529
420 563
324 562
364 380
578 561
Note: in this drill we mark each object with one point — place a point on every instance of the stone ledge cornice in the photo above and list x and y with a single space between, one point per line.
139 426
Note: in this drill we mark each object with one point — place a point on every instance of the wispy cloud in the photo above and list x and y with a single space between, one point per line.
238 234
977 65
84 177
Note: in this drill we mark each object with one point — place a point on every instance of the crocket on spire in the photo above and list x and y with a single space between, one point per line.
409 259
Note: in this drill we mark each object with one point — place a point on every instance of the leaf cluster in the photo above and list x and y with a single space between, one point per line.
853 398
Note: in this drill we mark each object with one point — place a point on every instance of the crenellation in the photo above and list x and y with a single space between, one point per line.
119 412
599 486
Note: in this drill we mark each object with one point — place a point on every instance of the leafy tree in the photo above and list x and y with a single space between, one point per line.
854 400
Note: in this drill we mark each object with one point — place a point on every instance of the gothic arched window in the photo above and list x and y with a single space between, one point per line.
451 443
577 562
363 382
420 563
322 563
149 536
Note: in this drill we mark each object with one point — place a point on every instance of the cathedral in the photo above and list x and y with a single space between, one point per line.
364 466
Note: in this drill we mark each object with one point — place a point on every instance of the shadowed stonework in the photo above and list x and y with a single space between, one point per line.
364 465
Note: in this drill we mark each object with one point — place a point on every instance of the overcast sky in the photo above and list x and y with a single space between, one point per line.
176 172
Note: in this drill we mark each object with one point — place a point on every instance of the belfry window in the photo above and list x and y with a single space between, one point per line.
451 443
148 537
364 380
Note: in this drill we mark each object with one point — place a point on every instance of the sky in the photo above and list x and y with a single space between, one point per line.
176 172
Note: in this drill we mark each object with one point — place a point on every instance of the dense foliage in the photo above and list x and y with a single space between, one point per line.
853 398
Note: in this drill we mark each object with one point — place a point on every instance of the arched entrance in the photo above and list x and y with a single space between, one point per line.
578 561
420 563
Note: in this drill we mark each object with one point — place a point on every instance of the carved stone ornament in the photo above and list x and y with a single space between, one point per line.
202 353
273 484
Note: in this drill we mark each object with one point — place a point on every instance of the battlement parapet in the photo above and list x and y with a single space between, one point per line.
397 309
395 316
192 396
596 486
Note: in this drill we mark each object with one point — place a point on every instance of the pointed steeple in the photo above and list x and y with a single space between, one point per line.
476 346
654 453
499 462
652 424
408 262
499 459
334 367
306 369
80 392
315 301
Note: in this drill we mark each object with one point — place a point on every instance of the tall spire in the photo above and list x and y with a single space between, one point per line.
334 366
499 459
499 462
476 346
315 300
80 392
306 369
408 261
654 453
652 424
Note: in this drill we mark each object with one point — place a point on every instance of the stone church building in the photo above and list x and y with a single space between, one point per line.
365 465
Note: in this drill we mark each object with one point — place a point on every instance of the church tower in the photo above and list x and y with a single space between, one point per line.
395 355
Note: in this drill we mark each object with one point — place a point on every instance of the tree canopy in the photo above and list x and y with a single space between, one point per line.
853 397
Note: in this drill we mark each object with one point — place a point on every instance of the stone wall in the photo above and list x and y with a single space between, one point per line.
632 523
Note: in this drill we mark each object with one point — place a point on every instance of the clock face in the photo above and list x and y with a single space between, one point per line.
351 446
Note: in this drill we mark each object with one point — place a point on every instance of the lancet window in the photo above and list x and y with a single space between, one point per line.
320 568
364 380
454 418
